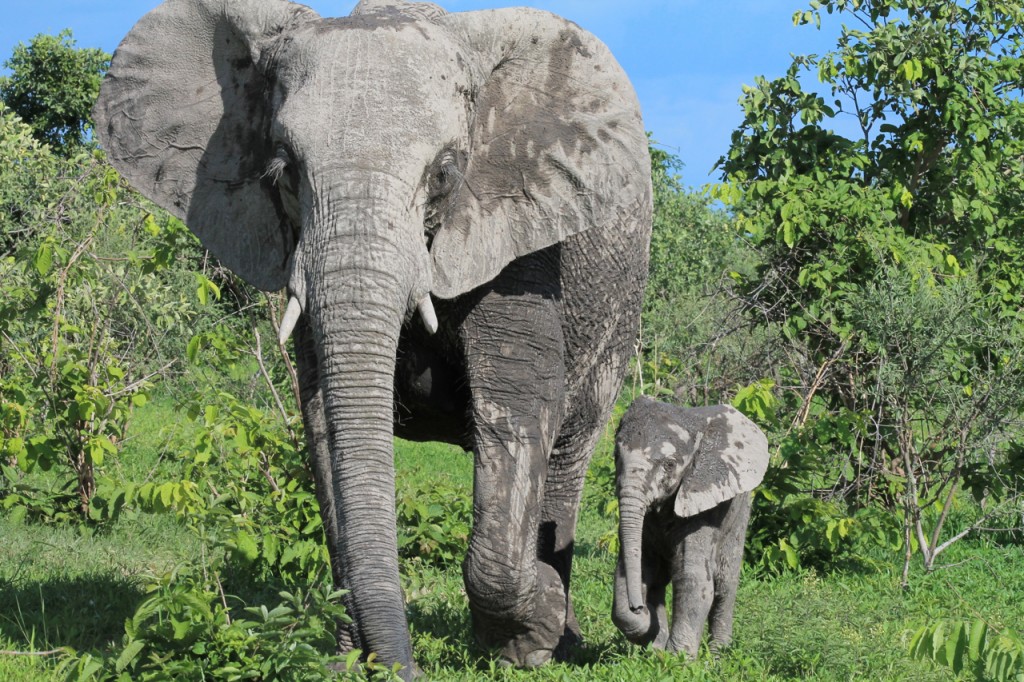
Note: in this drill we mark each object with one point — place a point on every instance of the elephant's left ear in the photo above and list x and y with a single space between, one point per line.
557 145
731 460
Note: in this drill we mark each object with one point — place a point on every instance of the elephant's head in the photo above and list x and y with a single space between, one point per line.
368 163
694 459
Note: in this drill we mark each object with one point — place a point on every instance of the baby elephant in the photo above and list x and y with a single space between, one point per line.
708 459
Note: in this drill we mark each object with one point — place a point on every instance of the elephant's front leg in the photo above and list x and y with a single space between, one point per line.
693 587
513 347
732 535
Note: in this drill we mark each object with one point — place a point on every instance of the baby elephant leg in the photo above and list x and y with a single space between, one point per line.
727 575
693 589
656 603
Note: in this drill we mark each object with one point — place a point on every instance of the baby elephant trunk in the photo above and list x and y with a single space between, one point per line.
632 508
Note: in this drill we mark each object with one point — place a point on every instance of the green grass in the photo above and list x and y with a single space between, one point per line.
60 587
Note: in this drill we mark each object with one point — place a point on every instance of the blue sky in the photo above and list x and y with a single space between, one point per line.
687 58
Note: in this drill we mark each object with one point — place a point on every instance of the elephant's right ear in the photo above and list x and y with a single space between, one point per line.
183 116
731 460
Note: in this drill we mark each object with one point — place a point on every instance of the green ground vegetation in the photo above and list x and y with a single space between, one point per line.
859 296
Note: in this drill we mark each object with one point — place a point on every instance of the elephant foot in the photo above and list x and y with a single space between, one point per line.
688 649
718 646
661 639
570 642
533 643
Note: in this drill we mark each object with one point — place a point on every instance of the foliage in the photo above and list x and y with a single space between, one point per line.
792 530
890 260
95 289
690 242
694 343
247 495
433 522
52 87
186 630
54 574
26 178
974 646
74 321
93 310
245 492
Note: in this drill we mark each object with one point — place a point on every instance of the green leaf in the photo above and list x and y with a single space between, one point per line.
166 494
955 647
129 654
17 514
150 226
938 640
976 644
246 546
192 349
181 628
96 452
43 260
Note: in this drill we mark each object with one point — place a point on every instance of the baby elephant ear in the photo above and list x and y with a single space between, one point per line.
556 145
731 459
183 116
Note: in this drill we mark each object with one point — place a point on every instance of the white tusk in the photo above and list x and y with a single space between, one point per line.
291 316
426 308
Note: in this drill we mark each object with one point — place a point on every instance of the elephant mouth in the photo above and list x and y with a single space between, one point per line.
432 396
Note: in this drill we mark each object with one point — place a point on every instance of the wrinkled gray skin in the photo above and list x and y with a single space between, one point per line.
493 164
684 478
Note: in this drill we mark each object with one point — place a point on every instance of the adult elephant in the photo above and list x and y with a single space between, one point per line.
486 169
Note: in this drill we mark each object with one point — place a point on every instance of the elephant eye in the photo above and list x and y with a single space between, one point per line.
280 165
442 177
280 174
444 174
275 169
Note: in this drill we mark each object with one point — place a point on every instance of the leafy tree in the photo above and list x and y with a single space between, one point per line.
25 178
53 86
690 240
81 331
892 258
689 311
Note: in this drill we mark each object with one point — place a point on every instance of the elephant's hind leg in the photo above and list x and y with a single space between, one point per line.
562 492
597 363
514 352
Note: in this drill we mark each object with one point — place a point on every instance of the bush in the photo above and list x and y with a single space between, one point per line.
433 521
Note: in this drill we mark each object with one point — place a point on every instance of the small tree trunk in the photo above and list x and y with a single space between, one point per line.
86 481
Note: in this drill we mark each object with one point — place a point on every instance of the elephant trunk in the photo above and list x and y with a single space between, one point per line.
357 370
632 509
358 296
